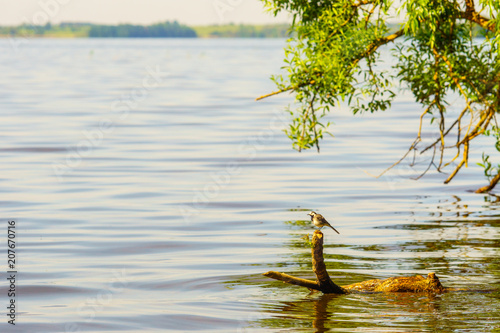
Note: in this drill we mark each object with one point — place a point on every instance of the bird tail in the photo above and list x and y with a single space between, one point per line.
334 229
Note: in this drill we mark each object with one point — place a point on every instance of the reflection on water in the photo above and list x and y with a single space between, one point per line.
167 221
397 312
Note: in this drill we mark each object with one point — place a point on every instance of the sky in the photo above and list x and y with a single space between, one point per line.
191 12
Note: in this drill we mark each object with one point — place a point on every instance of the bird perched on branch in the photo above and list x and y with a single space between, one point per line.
319 221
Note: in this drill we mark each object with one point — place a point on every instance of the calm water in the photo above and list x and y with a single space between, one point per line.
151 192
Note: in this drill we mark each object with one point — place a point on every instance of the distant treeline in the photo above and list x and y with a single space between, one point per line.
244 30
159 30
69 30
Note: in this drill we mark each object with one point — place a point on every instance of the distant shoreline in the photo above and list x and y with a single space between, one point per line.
158 30
71 37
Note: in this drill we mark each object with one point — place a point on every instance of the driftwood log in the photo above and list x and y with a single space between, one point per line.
324 284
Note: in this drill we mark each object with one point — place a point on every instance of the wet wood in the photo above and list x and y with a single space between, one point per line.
492 184
414 284
293 280
324 284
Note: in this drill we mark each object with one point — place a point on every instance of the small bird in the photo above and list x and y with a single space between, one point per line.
319 221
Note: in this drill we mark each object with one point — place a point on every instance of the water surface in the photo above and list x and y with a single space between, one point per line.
156 205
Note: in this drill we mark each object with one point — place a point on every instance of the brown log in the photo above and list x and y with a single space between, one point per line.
324 284
293 280
414 284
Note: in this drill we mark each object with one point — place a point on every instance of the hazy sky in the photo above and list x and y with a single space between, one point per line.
192 12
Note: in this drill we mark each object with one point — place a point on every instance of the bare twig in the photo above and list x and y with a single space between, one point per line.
445 133
428 167
413 145
461 164
370 13
274 93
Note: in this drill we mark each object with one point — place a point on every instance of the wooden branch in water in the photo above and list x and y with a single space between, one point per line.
324 284
414 284
293 280
492 184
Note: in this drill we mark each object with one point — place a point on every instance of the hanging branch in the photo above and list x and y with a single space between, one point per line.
492 184
472 15
440 63
369 50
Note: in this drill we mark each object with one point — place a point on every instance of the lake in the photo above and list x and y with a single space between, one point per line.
151 191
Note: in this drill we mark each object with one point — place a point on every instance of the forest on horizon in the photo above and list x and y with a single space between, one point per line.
158 30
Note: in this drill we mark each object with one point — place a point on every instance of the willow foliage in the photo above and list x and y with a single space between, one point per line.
335 55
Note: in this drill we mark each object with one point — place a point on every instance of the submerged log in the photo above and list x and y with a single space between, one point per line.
324 284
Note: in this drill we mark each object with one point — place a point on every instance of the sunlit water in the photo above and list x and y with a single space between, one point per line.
155 202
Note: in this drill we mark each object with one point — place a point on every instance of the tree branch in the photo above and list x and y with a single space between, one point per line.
293 280
369 50
470 14
323 282
448 131
326 285
362 3
274 93
376 44
461 164
492 184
